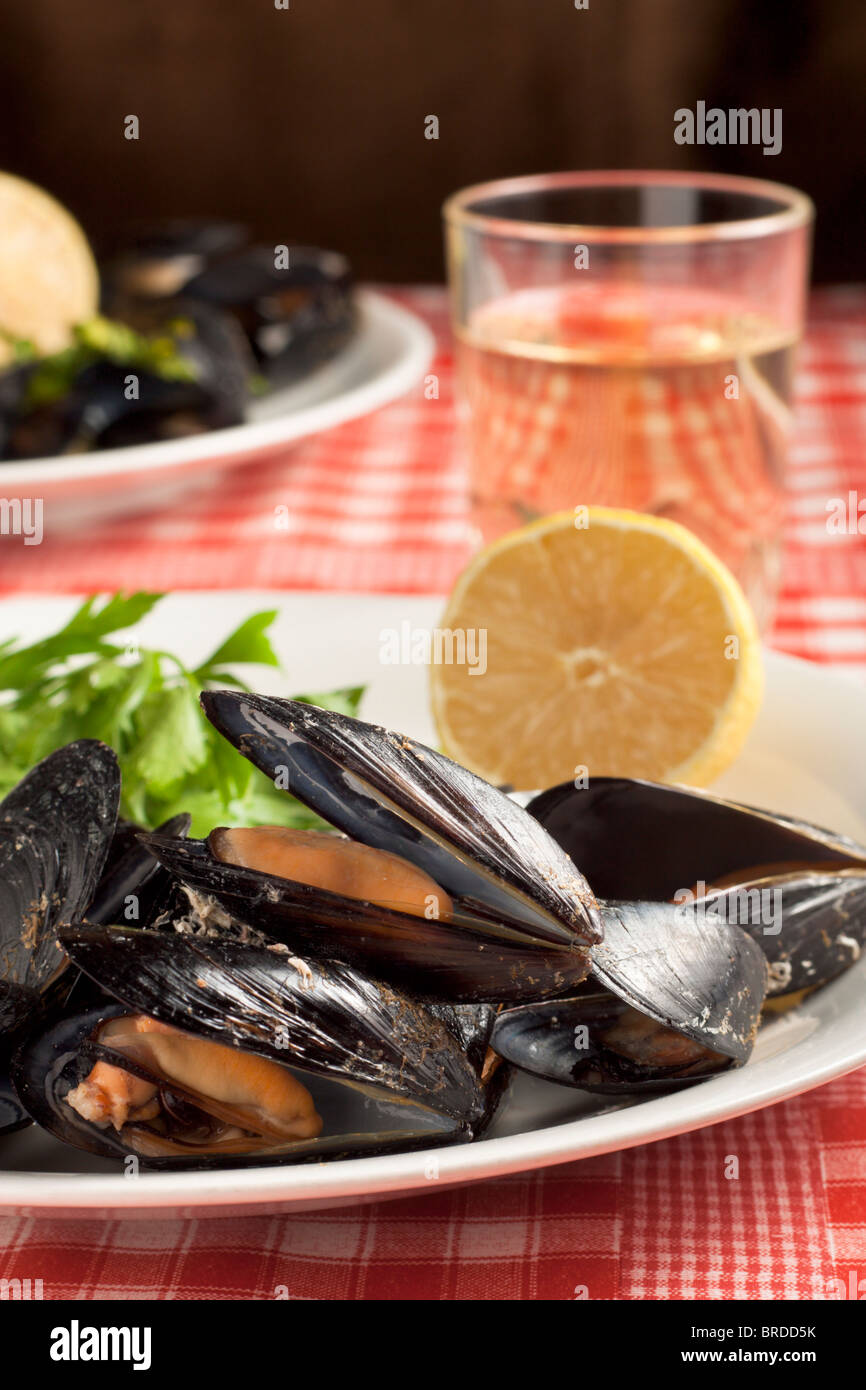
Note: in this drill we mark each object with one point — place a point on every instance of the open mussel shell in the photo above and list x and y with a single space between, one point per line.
700 975
385 790
676 994
647 841
384 1072
644 840
131 887
458 959
55 831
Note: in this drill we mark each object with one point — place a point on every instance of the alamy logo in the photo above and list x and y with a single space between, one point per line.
22 516
846 517
444 646
736 126
744 907
21 1290
77 1343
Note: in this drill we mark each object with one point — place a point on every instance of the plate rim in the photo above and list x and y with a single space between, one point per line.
253 437
229 1191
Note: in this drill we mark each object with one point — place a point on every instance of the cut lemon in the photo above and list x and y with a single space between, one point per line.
605 644
48 277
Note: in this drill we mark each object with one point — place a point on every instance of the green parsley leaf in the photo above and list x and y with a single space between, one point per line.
144 703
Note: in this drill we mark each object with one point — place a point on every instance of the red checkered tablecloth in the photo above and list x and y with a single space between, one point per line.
380 505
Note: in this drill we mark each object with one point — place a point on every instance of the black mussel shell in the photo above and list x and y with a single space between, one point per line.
596 1042
13 1116
640 840
295 317
810 926
104 410
55 831
158 261
385 1073
132 887
133 882
647 841
696 972
461 959
676 994
385 790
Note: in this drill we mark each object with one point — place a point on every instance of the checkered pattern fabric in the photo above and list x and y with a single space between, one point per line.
380 505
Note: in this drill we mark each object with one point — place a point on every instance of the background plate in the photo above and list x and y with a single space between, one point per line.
804 756
387 357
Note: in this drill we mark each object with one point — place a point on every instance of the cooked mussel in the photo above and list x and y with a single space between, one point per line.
56 827
676 994
221 1051
811 925
800 889
596 1042
475 901
194 377
55 831
296 315
74 795
158 261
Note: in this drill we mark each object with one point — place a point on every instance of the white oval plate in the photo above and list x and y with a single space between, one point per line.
805 756
387 357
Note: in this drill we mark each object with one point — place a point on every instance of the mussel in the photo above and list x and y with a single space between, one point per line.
111 400
158 261
799 890
296 315
675 995
512 921
73 857
55 830
56 827
290 995
796 892
219 1050
477 902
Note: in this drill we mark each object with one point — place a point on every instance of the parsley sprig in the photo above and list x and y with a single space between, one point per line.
91 679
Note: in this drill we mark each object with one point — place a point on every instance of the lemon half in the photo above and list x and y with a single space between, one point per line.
48 277
616 643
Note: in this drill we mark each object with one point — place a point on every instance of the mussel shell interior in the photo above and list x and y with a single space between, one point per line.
49 1064
640 840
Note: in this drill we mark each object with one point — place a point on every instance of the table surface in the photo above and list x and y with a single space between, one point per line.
379 505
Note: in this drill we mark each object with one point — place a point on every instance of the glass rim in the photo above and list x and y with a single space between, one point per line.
796 208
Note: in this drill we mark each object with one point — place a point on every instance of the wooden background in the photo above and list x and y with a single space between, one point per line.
309 122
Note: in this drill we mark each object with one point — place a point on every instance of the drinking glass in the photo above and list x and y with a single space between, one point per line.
628 339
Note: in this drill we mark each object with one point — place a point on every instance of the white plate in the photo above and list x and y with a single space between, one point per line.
387 357
806 756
